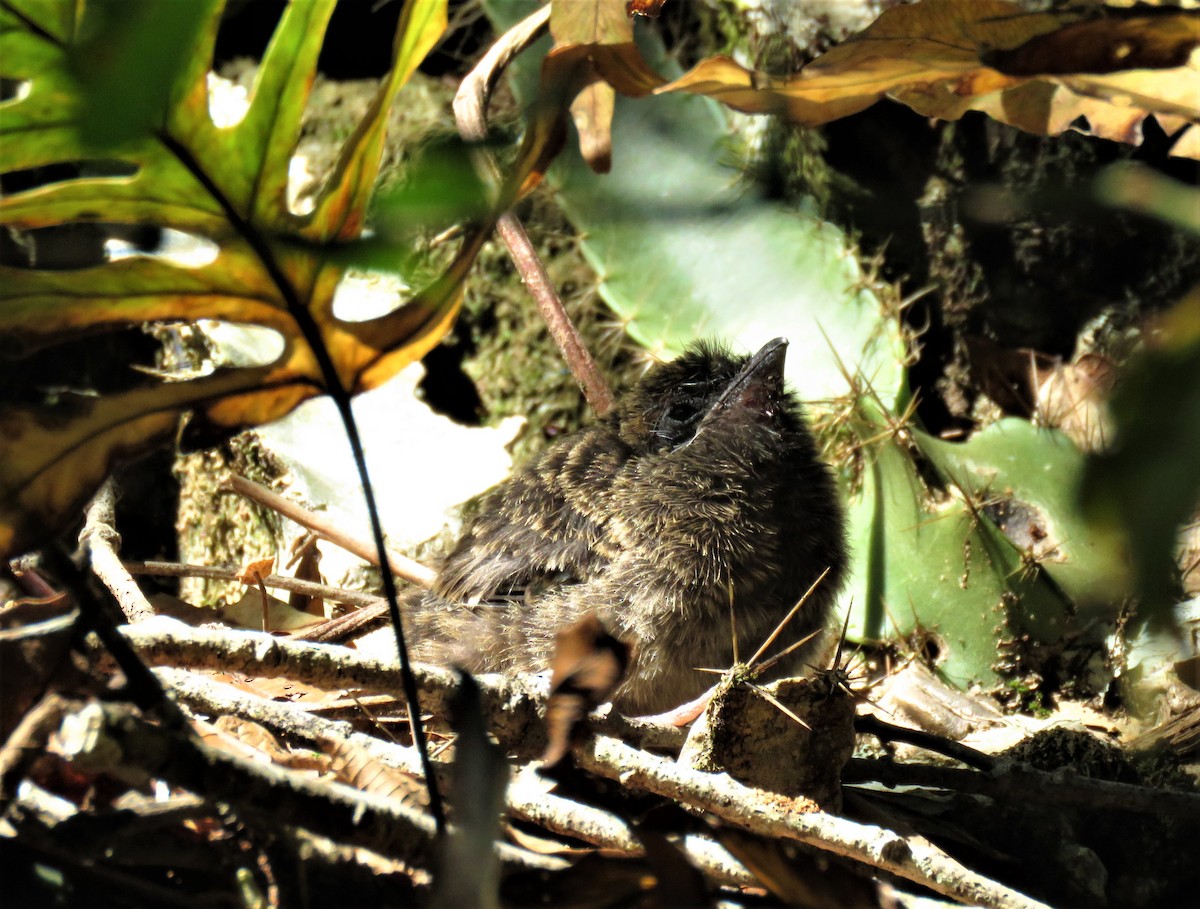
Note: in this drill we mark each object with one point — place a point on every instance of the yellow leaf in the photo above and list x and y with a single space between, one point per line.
1041 72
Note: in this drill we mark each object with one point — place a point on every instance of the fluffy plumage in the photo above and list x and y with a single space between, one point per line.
704 483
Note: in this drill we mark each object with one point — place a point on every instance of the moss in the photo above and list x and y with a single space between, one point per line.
214 526
515 365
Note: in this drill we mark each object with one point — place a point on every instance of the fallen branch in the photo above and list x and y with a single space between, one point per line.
113 738
1014 780
912 858
526 798
511 706
101 540
519 726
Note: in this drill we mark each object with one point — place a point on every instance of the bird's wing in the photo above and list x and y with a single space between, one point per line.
543 528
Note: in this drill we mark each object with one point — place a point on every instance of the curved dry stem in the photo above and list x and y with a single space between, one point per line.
470 113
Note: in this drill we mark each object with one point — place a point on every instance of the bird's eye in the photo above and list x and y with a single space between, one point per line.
678 422
682 412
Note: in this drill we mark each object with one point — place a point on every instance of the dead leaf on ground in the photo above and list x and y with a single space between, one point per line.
355 767
306 558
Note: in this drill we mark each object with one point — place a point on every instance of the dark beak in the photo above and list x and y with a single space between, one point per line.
755 389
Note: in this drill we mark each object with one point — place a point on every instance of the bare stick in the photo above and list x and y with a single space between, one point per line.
510 705
400 566
470 113
872 725
114 738
912 858
525 799
100 538
279 582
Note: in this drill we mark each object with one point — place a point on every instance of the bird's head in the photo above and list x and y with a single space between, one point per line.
707 395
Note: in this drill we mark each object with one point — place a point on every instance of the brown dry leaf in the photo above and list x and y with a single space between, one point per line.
239 735
1040 72
306 558
1073 397
1068 396
1155 39
355 767
543 845
592 111
566 73
590 23
1006 375
230 742
588 666
248 612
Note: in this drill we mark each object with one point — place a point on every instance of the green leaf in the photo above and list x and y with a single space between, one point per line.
1147 485
135 50
932 567
683 252
1027 480
994 551
224 187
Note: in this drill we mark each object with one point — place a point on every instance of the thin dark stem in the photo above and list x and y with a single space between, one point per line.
470 113
311 333
354 598
550 305
144 689
872 725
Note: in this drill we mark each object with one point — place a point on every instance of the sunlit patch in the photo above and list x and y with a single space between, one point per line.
174 246
368 295
228 102
14 90
302 186
242 345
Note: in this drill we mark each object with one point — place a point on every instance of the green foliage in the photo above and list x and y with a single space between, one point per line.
165 164
135 50
682 252
1147 486
979 543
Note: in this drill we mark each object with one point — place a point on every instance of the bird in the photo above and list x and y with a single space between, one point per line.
699 494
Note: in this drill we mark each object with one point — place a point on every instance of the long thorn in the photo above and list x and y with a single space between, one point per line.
733 623
779 628
837 657
775 702
759 670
